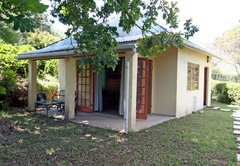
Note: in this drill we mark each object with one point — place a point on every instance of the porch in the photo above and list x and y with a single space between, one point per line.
108 121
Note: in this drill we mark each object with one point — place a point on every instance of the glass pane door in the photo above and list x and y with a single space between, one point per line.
84 89
142 86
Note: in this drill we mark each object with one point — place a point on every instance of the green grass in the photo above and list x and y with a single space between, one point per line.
224 105
197 139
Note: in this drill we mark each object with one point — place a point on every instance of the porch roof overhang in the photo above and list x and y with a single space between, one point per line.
65 52
58 51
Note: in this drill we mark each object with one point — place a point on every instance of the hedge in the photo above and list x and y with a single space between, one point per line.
225 77
226 92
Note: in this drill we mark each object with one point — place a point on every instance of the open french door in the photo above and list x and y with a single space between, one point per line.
143 88
84 89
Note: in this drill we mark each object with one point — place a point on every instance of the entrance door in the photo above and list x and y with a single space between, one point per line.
84 89
205 86
143 88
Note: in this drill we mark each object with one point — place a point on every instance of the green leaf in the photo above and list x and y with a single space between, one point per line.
86 22
2 90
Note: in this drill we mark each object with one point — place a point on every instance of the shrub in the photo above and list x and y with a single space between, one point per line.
47 67
48 84
7 60
8 80
226 92
234 93
221 93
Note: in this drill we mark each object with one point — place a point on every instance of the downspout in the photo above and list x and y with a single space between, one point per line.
127 88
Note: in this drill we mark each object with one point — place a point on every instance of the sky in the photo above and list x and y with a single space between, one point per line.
213 17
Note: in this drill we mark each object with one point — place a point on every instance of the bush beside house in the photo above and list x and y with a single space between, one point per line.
13 74
226 92
48 84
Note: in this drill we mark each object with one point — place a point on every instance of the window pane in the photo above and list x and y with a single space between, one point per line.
192 76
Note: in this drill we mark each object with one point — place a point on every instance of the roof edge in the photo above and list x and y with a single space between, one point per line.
67 53
202 49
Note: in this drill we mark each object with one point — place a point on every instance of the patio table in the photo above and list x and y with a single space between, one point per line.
47 104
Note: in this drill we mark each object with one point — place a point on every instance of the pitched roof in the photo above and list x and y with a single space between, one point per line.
65 47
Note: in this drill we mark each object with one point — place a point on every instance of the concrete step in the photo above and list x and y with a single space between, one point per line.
236 132
225 110
236 115
236 123
237 119
236 127
238 139
238 157
236 111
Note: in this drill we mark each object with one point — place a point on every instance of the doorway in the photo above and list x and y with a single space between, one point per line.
110 89
205 86
103 92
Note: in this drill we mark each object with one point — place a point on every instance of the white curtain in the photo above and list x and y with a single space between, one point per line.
96 81
121 100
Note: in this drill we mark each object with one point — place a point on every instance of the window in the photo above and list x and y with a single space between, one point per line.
192 76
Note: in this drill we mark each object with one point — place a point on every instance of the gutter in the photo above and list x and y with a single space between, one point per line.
127 88
64 53
46 55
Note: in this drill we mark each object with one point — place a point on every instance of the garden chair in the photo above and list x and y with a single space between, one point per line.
59 96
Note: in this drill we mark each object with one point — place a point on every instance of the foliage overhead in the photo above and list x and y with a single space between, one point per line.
20 13
39 39
229 45
89 26
7 34
44 34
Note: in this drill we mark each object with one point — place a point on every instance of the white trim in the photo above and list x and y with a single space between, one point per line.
201 49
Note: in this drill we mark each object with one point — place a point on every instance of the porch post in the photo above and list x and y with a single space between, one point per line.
61 74
70 86
32 84
132 90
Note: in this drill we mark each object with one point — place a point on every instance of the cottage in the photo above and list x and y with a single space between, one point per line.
174 83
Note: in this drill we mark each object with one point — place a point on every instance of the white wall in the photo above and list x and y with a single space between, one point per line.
186 98
164 83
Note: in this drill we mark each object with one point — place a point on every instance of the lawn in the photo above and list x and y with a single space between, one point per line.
224 106
197 139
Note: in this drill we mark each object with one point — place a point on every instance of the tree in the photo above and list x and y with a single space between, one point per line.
44 34
229 46
7 34
20 13
39 39
89 26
